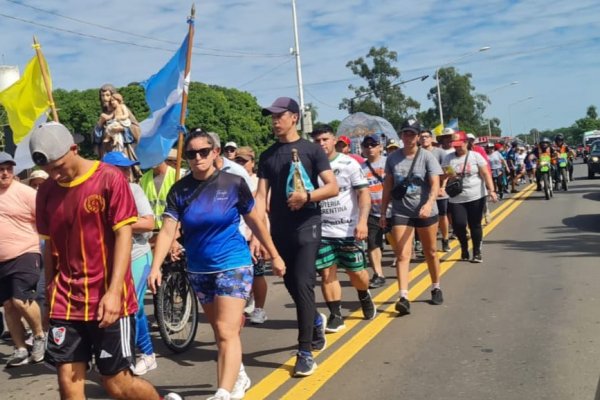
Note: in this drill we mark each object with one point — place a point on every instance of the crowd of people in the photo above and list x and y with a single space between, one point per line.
87 241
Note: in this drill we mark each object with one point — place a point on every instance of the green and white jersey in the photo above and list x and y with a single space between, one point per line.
339 214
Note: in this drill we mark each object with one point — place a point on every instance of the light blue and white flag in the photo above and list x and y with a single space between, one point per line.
453 123
164 92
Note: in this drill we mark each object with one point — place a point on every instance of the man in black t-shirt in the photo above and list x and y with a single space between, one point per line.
296 221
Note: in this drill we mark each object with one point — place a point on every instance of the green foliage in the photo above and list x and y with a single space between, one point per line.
458 101
380 96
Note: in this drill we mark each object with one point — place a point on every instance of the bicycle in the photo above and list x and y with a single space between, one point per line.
176 306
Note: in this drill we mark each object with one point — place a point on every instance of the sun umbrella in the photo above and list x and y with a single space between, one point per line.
361 124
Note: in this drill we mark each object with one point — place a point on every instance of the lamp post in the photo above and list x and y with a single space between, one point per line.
437 77
422 78
510 113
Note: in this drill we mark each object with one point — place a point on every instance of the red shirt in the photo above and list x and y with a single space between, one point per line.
80 219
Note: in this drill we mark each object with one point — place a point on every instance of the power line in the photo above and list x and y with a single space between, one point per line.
239 53
265 73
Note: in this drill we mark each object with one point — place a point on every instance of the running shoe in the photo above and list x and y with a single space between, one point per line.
319 341
376 281
335 323
249 306
19 357
172 396
147 362
436 297
464 255
403 306
368 307
445 245
242 384
38 348
258 316
477 258
305 364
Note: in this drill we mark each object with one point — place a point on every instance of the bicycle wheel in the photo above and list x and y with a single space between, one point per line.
547 187
177 311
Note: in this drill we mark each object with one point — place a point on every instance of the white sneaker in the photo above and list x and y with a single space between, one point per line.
172 396
242 384
144 364
249 306
258 316
38 349
18 358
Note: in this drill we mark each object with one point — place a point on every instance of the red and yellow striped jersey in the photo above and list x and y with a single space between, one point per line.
80 219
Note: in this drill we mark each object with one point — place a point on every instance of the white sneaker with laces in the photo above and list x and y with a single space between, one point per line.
249 306
258 316
38 349
144 364
242 384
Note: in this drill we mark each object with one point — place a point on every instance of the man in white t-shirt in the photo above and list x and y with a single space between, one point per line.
344 228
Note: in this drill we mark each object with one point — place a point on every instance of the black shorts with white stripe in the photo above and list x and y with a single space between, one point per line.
113 347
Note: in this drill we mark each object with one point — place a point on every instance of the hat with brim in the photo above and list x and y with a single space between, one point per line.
344 139
49 142
447 132
371 138
470 136
37 174
459 138
245 153
282 104
118 159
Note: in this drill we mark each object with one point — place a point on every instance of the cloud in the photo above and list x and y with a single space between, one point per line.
550 47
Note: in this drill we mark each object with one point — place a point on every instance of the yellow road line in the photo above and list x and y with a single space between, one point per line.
308 386
280 375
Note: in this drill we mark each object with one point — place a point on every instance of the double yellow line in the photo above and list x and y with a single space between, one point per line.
306 387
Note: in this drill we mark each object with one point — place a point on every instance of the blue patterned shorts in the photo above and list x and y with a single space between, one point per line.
232 283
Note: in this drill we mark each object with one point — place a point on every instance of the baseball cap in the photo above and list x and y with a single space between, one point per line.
118 159
498 146
459 138
172 155
411 125
245 152
374 138
230 144
447 131
6 158
37 174
344 139
49 142
392 143
470 136
280 105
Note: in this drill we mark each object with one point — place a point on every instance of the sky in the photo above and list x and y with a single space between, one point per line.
551 48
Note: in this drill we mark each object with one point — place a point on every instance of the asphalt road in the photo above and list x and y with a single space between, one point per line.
524 324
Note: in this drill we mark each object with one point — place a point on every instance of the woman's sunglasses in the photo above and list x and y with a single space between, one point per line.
191 154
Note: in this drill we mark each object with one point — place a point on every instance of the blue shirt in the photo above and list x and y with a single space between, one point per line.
210 222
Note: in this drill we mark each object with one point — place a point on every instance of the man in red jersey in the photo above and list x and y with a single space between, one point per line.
84 213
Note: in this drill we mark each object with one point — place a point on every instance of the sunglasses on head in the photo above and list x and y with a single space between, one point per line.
191 154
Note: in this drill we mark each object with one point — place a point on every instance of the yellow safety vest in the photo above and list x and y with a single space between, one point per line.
158 201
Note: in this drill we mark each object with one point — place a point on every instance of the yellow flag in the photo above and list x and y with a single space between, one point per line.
437 131
25 100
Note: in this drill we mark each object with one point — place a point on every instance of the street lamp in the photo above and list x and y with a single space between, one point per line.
422 78
437 77
510 114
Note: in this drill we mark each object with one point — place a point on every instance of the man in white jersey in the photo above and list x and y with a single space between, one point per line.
344 228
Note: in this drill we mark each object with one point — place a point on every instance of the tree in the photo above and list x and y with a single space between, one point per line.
380 96
592 113
458 101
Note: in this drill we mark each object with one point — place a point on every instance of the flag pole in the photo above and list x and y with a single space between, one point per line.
186 86
42 62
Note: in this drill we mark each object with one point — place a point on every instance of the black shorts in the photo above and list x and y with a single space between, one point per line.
375 232
19 277
112 347
414 222
442 205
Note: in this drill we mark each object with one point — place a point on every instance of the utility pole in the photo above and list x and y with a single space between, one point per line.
296 52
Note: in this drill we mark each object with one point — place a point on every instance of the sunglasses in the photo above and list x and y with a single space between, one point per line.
229 149
191 154
425 136
241 161
370 145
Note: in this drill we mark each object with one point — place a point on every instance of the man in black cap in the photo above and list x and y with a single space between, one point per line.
296 220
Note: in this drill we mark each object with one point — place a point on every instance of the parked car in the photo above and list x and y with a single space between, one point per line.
593 161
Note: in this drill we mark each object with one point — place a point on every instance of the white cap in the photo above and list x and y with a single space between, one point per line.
470 136
231 144
447 131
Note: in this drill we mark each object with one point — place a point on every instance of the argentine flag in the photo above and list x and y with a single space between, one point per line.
453 124
164 92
